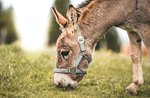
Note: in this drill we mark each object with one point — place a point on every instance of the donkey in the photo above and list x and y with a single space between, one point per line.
87 24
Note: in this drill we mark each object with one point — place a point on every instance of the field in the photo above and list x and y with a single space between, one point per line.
30 75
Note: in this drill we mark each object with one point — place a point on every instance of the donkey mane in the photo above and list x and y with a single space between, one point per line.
85 7
84 4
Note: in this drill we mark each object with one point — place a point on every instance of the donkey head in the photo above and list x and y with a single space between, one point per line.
68 49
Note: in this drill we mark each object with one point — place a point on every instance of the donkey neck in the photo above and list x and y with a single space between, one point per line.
100 15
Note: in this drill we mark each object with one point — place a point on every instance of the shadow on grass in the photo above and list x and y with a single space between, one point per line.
2 95
141 93
144 93
65 89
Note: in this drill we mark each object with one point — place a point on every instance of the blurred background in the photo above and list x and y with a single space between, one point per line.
32 24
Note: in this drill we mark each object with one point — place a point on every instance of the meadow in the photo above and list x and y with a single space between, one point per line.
30 75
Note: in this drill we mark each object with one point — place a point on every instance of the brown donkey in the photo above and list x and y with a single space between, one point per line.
85 25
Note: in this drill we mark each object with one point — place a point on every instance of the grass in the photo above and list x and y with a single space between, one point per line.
30 75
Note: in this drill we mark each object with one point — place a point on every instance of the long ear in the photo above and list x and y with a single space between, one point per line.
59 18
73 14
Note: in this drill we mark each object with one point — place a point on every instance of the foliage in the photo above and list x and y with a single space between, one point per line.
111 41
6 21
31 75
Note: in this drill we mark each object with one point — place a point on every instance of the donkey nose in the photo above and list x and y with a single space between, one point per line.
65 54
59 85
69 86
64 81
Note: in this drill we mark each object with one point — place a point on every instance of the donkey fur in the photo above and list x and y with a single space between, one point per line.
95 17
132 15
99 16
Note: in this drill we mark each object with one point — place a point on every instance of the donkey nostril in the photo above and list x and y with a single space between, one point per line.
70 86
65 54
59 85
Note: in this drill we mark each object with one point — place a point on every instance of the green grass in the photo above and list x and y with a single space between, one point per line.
30 75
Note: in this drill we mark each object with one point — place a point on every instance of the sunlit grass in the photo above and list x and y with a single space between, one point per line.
31 75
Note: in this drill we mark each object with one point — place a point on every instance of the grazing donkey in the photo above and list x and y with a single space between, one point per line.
85 25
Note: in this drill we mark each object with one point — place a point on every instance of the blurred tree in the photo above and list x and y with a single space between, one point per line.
111 41
7 29
54 32
0 5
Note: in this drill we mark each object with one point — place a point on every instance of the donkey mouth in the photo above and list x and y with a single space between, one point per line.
69 86
64 81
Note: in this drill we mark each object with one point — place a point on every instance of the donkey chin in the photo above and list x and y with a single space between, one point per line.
64 81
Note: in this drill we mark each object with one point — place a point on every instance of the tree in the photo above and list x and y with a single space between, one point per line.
7 29
111 41
54 32
0 5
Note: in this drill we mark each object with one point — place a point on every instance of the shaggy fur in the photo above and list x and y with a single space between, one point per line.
132 15
94 19
84 4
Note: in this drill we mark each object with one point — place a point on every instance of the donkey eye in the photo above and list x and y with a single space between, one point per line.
65 54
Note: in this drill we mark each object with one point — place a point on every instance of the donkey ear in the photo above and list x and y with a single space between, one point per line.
73 14
59 18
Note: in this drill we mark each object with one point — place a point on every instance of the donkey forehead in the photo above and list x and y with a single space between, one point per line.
66 39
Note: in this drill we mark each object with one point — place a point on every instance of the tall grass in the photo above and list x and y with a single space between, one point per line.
30 75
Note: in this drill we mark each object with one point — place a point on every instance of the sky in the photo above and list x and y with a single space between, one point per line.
31 21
